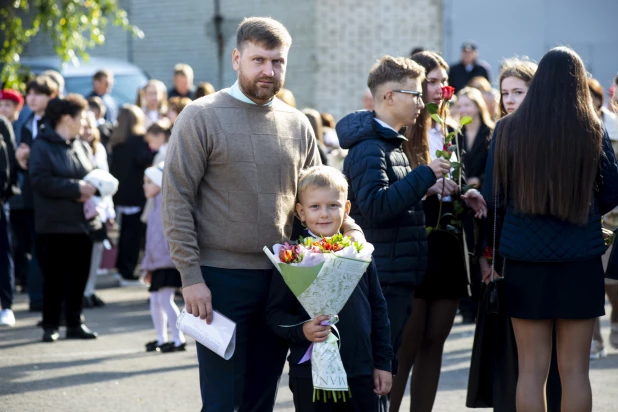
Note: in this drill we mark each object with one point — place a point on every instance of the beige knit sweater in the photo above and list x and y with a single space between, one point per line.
229 182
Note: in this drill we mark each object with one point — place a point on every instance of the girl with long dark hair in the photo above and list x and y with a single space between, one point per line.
553 172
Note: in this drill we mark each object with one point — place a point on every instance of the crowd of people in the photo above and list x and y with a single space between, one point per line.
196 182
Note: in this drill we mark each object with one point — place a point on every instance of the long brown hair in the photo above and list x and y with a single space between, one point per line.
417 146
548 150
521 69
130 122
477 98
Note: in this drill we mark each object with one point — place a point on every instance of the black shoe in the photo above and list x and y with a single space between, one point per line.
96 301
50 335
87 302
80 332
170 347
152 346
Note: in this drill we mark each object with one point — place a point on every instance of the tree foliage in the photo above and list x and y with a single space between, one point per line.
74 26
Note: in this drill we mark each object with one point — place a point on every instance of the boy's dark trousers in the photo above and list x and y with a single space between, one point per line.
363 397
249 380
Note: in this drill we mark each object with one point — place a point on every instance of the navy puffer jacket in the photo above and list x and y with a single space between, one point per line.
386 196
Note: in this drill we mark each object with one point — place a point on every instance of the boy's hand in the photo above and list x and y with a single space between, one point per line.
440 167
382 381
444 187
314 332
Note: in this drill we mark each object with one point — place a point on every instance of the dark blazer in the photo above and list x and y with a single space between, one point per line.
386 196
56 167
128 163
458 77
363 325
534 238
475 158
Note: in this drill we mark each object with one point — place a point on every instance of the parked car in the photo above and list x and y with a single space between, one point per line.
128 78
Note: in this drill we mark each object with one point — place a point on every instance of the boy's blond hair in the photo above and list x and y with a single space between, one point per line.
393 69
323 177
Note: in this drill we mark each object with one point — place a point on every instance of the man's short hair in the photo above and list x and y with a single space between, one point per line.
322 177
393 69
42 85
96 103
183 69
264 31
101 74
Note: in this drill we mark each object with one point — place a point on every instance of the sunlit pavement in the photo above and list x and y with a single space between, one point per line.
114 373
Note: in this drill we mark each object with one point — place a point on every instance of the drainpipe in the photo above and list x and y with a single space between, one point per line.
218 19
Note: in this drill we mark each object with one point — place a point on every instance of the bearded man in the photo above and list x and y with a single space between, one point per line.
229 189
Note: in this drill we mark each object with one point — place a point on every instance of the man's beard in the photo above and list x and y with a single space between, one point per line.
251 88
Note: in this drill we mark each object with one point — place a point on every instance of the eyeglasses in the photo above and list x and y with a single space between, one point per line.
419 95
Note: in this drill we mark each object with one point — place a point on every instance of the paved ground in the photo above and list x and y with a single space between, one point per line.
113 373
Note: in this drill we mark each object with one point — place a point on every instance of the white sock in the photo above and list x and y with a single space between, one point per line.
158 317
172 311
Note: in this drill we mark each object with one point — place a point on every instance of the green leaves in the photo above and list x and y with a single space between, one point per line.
432 109
74 26
465 120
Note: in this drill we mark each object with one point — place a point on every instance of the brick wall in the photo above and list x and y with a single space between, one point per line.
334 41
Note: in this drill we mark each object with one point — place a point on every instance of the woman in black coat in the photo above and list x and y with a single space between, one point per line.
130 158
59 160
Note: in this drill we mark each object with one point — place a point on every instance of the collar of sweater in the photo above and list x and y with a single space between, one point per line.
236 93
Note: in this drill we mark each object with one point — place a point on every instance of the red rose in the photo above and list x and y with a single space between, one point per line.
447 92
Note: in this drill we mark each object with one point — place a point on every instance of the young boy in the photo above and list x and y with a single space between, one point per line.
366 352
157 136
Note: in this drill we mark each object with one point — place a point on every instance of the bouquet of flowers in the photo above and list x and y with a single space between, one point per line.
322 274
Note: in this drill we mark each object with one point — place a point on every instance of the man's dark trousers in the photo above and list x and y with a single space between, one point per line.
249 380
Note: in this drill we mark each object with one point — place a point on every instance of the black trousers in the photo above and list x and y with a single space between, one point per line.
248 381
129 244
363 398
7 281
65 263
399 306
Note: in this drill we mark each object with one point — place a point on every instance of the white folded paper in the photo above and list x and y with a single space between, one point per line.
219 336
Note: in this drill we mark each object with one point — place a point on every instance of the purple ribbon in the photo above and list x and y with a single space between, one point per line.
307 355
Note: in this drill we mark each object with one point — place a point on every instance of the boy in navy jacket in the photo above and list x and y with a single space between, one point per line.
364 327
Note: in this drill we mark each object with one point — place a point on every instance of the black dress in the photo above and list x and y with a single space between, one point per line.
475 158
446 276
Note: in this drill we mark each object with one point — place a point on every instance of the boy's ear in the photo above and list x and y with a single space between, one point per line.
347 207
300 212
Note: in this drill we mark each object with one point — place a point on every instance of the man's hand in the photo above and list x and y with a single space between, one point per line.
449 187
314 332
476 202
382 382
440 167
22 154
198 301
